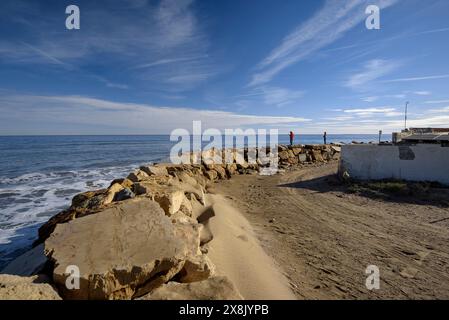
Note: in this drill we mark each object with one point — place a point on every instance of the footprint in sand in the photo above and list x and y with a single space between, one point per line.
409 272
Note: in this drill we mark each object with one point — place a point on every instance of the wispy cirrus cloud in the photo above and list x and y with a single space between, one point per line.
437 101
440 110
273 96
168 61
372 70
370 110
366 112
396 96
340 118
370 99
281 96
138 36
422 93
432 31
46 56
116 85
329 24
420 78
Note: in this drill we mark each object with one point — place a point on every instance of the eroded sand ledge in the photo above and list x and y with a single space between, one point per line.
157 234
236 252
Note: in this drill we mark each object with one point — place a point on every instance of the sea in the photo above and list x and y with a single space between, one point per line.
39 175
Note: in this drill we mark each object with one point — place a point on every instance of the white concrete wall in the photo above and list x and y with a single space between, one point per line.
415 163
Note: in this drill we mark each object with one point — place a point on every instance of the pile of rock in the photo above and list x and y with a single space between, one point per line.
301 154
222 164
127 251
141 233
144 235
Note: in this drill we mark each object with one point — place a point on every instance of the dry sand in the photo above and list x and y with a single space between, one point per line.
236 253
323 238
300 235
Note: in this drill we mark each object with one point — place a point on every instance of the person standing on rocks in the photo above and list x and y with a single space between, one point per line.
292 136
325 137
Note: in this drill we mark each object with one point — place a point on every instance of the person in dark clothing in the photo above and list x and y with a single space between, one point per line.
325 137
292 136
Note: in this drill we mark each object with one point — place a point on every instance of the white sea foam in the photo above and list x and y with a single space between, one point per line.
29 200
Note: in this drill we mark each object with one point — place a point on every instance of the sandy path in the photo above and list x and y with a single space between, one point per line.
324 238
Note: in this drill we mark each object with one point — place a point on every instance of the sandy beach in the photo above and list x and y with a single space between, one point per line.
323 238
227 231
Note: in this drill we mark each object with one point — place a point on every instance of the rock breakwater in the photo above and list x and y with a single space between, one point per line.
146 235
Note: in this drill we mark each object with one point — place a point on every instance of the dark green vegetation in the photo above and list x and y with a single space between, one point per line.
388 189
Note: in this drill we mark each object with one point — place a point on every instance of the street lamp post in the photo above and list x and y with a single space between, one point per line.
406 108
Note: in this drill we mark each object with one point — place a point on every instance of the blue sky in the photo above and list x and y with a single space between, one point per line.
145 67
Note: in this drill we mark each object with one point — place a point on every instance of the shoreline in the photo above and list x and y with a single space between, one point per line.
31 191
230 233
175 190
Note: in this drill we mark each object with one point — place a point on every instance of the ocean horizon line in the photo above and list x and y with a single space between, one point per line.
166 134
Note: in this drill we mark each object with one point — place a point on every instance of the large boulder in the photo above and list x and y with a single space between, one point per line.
155 170
302 157
155 180
336 149
211 175
231 169
124 194
62 217
293 160
214 288
89 199
112 191
169 197
296 150
26 288
326 155
187 178
240 160
125 183
221 172
316 156
283 156
174 169
122 252
196 269
282 148
138 175
313 146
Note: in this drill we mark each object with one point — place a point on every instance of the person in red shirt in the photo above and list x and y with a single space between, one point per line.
292 136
